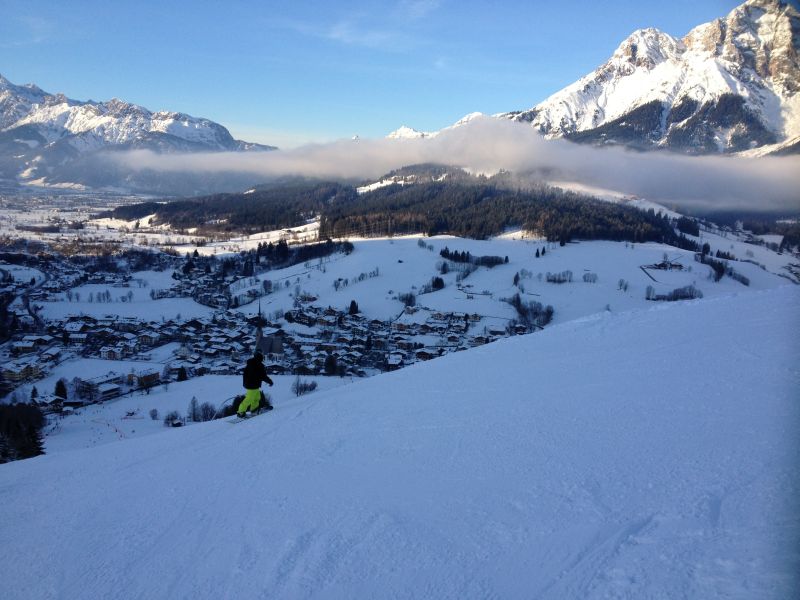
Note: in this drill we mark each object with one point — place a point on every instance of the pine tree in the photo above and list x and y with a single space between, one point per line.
61 389
330 364
353 307
193 413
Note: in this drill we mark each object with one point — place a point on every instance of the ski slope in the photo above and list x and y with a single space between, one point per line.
640 454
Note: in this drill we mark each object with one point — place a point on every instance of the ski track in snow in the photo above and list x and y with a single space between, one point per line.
647 454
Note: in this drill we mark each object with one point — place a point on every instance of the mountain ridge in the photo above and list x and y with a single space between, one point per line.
45 137
730 85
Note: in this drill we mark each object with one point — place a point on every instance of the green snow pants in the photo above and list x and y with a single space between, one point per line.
251 401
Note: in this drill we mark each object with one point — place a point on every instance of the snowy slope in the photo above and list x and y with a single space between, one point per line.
643 454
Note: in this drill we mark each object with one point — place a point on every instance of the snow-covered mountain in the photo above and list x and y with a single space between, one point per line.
44 138
728 85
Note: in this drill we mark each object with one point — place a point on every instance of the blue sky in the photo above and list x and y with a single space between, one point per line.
289 73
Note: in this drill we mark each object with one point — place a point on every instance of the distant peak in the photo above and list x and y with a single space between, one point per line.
648 47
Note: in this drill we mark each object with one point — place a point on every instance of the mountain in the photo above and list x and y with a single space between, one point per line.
640 454
728 85
49 139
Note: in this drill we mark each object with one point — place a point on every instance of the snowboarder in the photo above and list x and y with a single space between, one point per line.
254 373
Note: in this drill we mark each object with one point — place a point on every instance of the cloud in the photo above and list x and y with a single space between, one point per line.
487 145
29 31
348 32
417 9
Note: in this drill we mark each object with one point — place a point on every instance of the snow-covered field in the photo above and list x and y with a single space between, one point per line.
403 266
640 454
22 274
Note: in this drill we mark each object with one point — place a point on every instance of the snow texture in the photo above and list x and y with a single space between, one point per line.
645 454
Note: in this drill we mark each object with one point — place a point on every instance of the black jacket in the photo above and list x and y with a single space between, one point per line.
254 373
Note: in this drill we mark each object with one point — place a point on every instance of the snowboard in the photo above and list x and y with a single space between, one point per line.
237 419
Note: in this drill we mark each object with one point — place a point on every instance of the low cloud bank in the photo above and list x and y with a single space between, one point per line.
487 145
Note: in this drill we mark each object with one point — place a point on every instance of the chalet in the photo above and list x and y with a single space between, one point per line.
304 318
50 402
21 370
405 343
327 321
77 339
109 353
394 362
426 354
23 347
149 338
75 327
148 378
52 354
497 331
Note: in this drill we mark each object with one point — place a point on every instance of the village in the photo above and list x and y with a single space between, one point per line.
307 340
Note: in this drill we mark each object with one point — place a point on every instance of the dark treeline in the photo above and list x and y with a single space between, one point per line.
466 257
458 204
483 210
262 210
20 431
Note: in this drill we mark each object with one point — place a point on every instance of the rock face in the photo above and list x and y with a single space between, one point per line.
49 139
727 86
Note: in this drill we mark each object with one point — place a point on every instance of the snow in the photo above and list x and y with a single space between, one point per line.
649 453
21 273
140 303
128 417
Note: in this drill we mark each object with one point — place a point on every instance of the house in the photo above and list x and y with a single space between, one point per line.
50 402
148 378
51 353
106 391
394 362
77 339
23 347
149 338
21 370
426 354
109 353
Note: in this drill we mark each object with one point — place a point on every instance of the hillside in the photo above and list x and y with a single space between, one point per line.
643 454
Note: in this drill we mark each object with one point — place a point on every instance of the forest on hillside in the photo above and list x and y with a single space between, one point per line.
441 201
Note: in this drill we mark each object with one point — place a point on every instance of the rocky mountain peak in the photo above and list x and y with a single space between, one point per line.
645 48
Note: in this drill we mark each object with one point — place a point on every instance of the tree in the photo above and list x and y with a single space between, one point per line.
154 414
20 431
330 364
193 413
353 307
61 389
182 376
207 411
34 394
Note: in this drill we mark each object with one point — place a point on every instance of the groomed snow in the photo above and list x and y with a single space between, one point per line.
645 454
